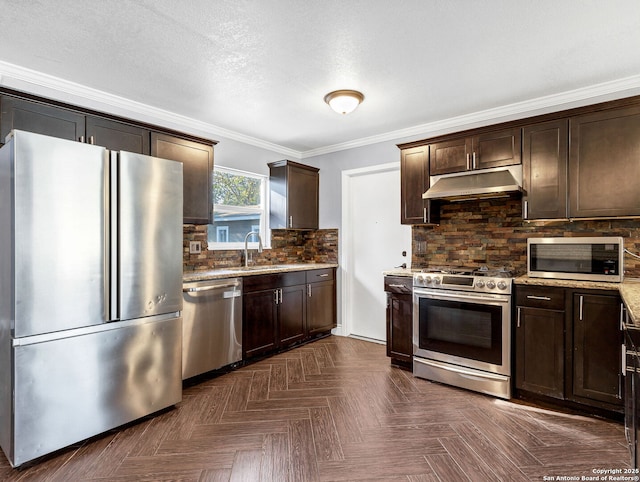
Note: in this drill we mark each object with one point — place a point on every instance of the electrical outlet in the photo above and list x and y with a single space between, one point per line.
195 247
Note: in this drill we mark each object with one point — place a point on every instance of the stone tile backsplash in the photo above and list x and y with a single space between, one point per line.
491 232
287 247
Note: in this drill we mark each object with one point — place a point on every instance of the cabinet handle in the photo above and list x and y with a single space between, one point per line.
397 286
280 295
290 221
623 367
519 309
622 316
526 210
325 275
541 298
474 159
309 290
468 164
81 138
424 215
581 303
91 140
275 293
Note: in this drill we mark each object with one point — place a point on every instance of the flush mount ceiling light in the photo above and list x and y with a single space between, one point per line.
344 101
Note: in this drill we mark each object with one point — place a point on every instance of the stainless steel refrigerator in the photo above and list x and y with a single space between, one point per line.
90 291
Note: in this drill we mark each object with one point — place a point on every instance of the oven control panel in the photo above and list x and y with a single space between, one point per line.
480 284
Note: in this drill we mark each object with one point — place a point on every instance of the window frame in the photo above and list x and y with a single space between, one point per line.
265 232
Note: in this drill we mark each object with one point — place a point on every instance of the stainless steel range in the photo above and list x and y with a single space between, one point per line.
462 328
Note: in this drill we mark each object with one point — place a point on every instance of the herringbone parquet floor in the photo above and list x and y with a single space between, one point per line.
334 410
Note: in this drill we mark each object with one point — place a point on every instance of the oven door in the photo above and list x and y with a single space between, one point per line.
467 329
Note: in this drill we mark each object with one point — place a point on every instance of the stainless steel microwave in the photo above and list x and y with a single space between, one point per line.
587 259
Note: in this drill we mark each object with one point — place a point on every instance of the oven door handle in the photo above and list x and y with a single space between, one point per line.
464 297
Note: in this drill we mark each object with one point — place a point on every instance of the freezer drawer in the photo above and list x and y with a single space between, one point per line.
212 328
69 389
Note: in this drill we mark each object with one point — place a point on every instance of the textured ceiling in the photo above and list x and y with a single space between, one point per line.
262 67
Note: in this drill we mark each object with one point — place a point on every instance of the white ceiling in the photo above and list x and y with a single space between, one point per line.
260 68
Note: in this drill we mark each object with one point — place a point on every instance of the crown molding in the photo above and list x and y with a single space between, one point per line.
21 78
38 83
605 91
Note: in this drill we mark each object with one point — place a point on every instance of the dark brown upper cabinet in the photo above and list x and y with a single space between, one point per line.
117 136
294 195
544 170
482 151
414 181
40 118
197 160
604 164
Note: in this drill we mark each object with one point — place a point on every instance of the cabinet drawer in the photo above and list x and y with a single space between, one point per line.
398 284
540 297
273 281
317 275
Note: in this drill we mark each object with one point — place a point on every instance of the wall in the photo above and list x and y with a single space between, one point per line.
492 233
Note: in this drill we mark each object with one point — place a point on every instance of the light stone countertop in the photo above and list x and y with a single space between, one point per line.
630 292
567 283
222 273
400 272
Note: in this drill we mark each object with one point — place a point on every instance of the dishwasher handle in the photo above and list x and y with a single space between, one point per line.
209 288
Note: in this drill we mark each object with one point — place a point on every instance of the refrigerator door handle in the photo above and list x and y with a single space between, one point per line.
113 210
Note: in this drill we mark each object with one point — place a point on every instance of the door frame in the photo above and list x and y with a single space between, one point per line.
347 251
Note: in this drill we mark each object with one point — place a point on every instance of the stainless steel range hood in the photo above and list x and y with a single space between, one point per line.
487 183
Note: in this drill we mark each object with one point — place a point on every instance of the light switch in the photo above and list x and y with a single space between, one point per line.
195 247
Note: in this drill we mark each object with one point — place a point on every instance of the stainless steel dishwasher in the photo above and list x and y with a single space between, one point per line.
212 325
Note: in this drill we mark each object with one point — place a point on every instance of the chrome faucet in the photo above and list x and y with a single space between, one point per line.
246 241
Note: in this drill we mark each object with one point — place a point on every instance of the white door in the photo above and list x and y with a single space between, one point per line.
374 241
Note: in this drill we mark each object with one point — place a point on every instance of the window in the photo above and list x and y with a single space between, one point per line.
222 234
239 207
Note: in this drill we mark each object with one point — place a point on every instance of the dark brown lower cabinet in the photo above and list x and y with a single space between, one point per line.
597 341
399 320
632 392
259 325
540 351
285 309
292 315
568 346
321 301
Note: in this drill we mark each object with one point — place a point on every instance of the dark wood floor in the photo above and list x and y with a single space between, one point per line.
335 410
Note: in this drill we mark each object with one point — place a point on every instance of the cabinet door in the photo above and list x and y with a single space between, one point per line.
39 118
450 156
540 351
321 307
117 136
597 348
303 191
292 323
400 327
259 314
414 181
544 166
197 160
496 149
604 164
